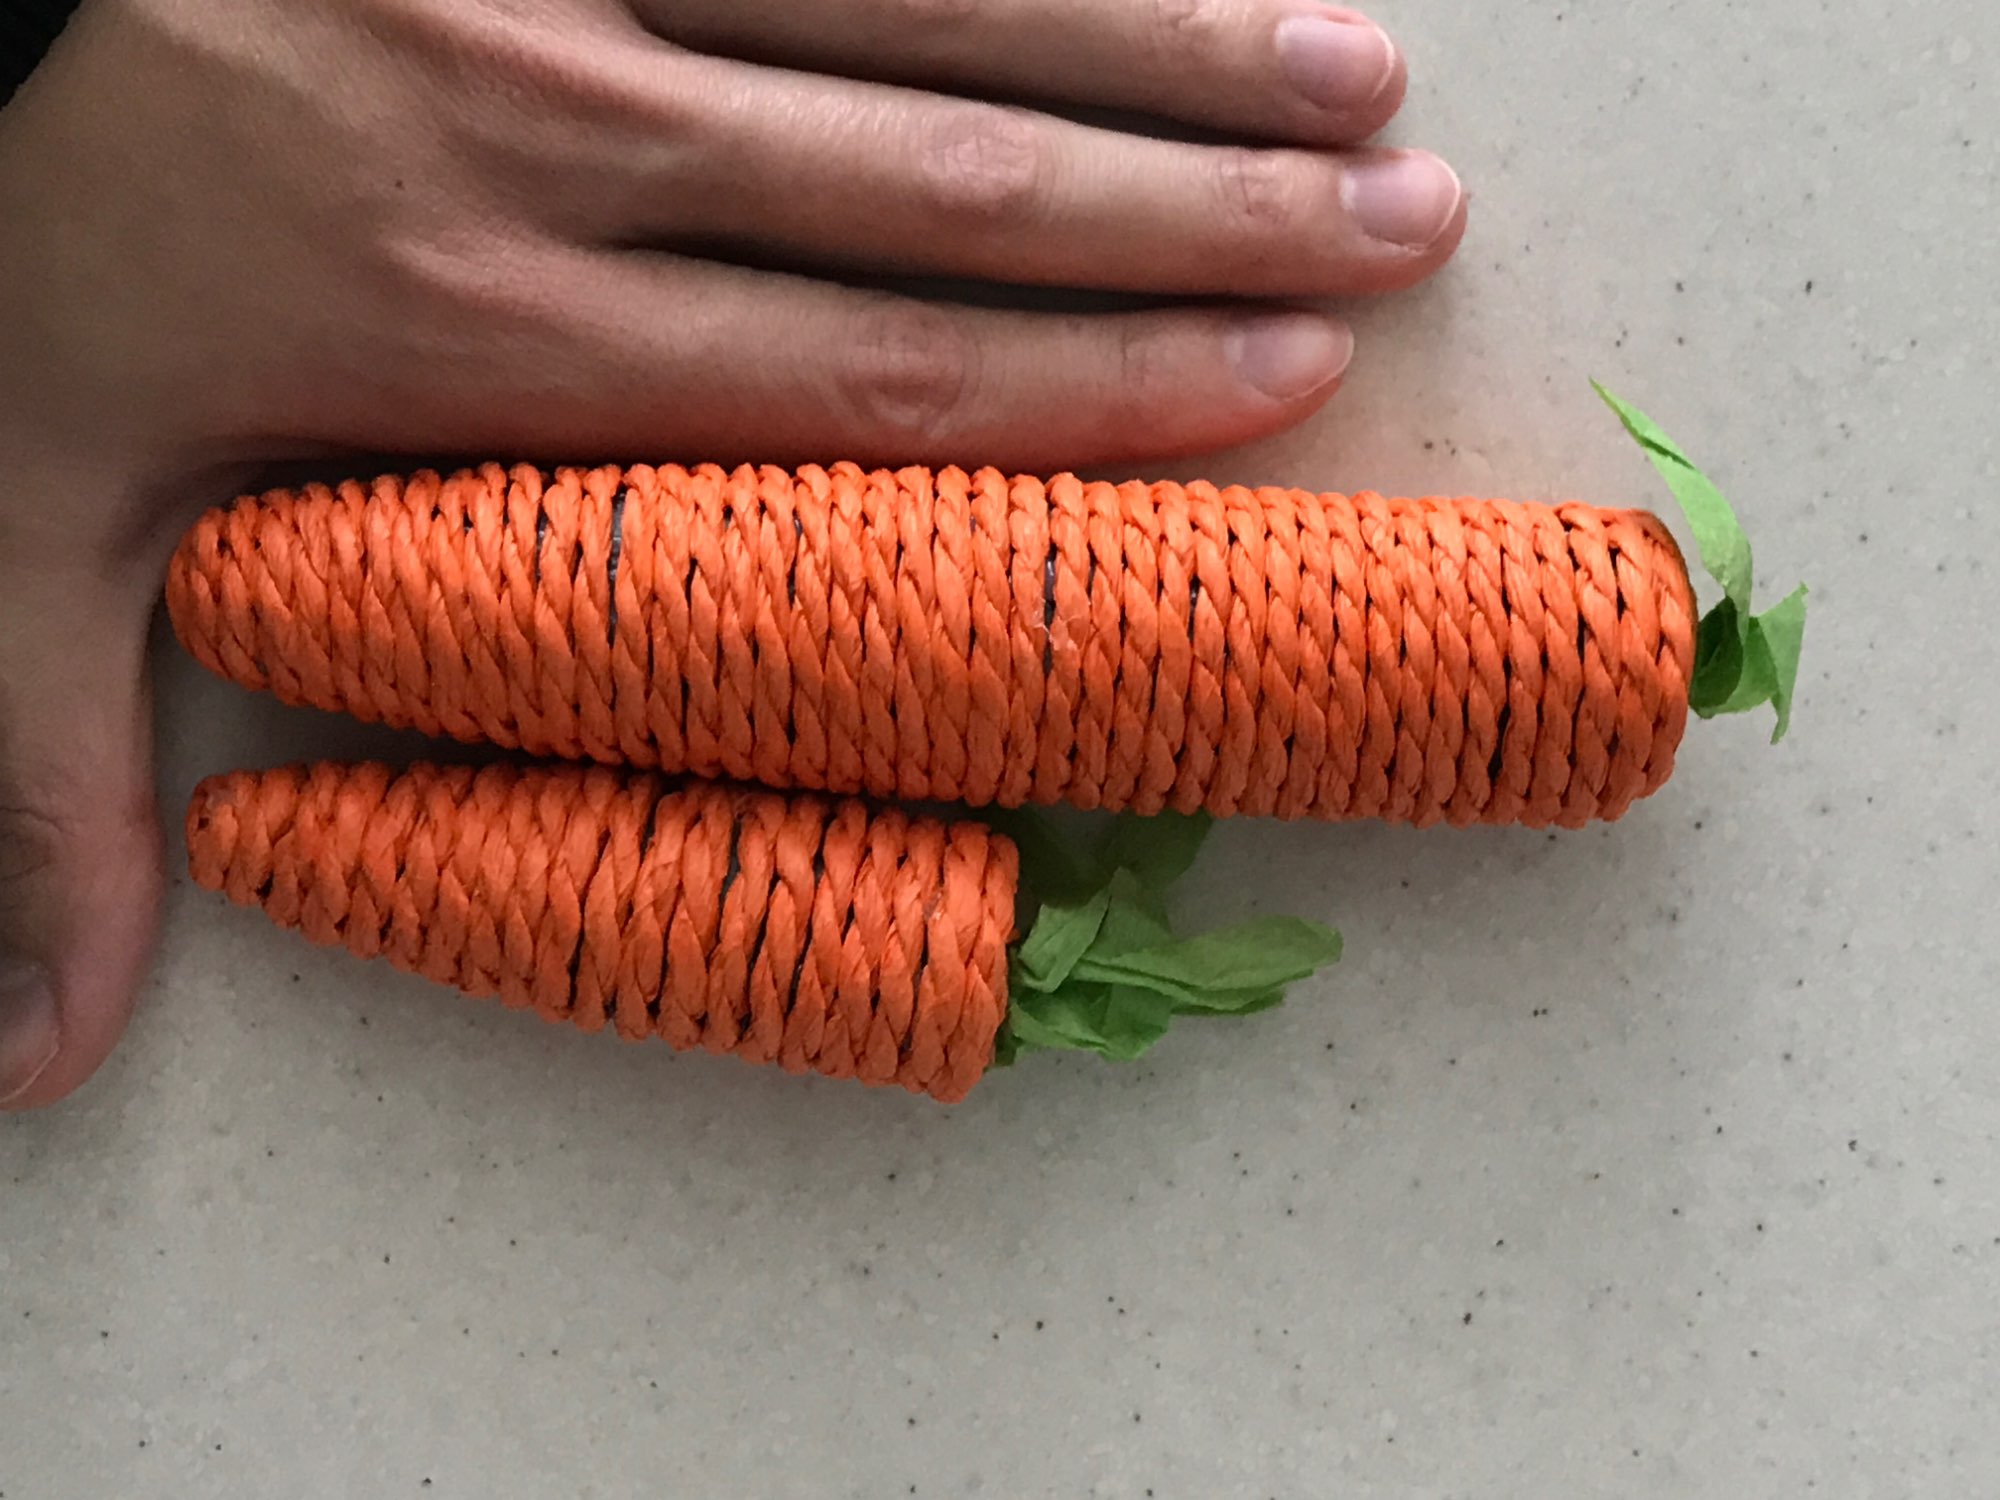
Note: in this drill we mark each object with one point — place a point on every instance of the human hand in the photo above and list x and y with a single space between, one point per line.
237 232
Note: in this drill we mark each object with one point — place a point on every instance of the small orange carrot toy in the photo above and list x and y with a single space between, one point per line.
821 936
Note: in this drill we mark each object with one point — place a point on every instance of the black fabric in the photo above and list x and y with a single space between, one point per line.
28 28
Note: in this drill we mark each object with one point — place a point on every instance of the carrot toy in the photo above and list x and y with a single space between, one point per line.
818 935
979 639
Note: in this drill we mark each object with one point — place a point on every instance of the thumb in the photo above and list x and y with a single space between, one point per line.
80 873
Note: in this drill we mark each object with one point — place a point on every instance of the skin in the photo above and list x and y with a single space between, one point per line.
240 233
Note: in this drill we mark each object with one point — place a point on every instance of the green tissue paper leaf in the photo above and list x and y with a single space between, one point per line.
1742 660
1725 549
1070 1019
1058 940
1052 866
1775 645
1106 973
1252 958
1157 850
1135 917
1247 1003
1719 656
1132 1021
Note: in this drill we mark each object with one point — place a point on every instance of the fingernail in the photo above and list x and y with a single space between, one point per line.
1338 61
30 1034
1290 355
1408 198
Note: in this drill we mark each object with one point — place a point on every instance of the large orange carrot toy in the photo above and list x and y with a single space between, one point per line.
981 639
1166 651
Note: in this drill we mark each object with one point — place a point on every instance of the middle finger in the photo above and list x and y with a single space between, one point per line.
882 178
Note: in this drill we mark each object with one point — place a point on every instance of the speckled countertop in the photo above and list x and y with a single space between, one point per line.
1657 1161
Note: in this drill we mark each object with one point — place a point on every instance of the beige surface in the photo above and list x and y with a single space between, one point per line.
1650 1162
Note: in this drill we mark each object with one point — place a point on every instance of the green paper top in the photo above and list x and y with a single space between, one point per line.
1102 969
1742 661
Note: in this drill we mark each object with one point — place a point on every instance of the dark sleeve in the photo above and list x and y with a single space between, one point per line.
28 28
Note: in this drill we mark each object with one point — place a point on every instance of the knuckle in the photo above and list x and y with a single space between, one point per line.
908 377
1271 213
1258 190
1140 360
438 289
1144 370
520 84
487 48
31 842
985 163
1185 28
461 290
29 839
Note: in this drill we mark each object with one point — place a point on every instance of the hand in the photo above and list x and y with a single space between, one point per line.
234 232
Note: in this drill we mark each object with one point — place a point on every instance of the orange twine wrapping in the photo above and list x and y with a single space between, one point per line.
818 935
979 638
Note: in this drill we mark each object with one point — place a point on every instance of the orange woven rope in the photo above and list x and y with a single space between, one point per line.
979 638
792 930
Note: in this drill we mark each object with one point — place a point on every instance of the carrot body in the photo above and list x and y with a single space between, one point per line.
979 638
821 936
